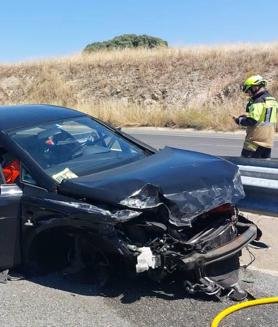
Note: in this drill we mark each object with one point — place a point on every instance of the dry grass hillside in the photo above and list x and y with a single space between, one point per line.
182 87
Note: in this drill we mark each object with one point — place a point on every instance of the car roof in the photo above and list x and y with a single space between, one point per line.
19 116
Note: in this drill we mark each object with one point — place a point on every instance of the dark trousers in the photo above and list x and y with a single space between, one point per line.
261 152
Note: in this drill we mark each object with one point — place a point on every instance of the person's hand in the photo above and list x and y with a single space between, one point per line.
235 119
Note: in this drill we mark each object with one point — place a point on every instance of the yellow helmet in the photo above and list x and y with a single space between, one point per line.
253 80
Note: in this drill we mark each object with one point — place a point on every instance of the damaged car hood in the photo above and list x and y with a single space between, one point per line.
186 183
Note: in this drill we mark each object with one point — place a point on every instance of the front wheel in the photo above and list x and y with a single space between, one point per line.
87 262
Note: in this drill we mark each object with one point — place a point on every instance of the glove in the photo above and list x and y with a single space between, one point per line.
239 119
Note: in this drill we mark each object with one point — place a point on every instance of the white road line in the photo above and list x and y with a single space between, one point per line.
177 133
219 145
187 135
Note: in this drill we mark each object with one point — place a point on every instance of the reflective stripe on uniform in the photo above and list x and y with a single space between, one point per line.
250 146
268 112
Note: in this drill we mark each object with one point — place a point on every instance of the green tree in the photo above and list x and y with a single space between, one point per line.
127 41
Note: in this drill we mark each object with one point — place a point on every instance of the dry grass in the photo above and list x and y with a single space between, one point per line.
267 52
121 114
179 87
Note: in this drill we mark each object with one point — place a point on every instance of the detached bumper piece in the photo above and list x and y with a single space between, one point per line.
226 251
217 270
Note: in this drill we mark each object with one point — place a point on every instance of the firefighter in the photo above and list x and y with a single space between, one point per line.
260 119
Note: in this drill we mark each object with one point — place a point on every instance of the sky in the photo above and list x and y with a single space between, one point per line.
32 29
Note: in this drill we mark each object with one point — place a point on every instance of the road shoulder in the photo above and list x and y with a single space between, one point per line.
266 259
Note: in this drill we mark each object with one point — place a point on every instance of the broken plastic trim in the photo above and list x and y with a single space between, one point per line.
146 259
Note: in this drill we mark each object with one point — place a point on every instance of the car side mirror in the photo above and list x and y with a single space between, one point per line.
10 190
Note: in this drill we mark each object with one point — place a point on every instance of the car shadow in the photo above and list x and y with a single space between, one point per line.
128 290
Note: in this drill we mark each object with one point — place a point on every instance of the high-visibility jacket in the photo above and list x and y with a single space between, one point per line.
261 119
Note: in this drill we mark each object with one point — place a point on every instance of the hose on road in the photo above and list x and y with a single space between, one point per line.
221 315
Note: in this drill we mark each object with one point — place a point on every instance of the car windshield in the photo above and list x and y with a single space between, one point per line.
76 147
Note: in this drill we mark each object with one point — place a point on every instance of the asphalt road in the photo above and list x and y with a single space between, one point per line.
53 301
216 143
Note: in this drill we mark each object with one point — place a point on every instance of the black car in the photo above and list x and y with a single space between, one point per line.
77 193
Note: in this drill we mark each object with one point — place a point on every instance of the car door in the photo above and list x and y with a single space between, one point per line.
10 196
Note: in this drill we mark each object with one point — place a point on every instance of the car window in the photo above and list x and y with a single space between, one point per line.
2 179
75 147
26 177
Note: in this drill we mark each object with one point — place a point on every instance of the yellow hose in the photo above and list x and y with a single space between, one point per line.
221 315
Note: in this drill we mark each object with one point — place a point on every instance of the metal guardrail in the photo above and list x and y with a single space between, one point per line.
260 181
